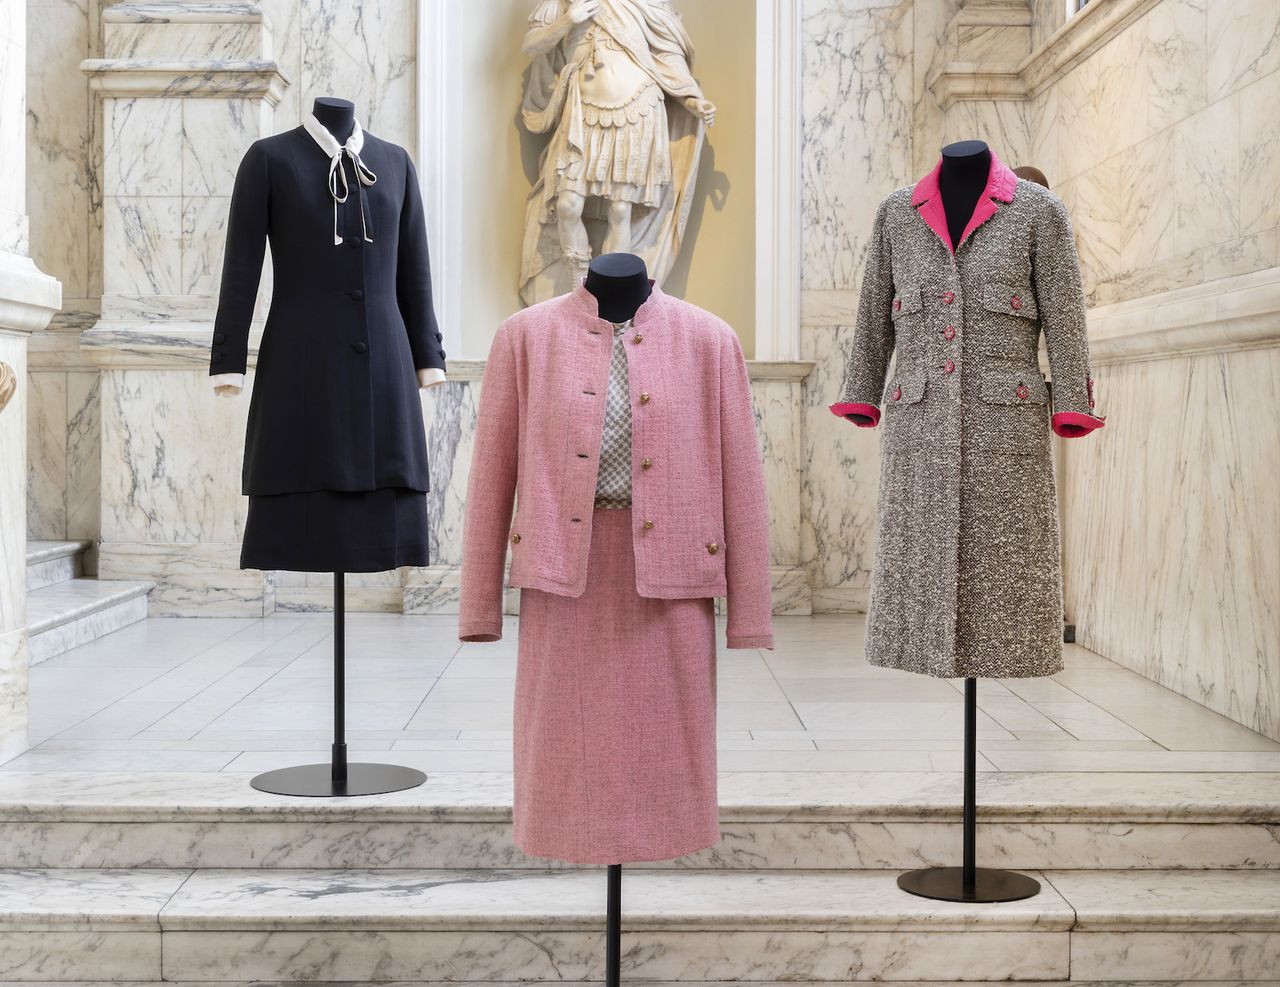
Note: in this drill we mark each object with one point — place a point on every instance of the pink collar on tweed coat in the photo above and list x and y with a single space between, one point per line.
646 314
927 198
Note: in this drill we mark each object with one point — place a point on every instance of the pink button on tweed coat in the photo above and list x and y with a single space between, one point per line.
699 506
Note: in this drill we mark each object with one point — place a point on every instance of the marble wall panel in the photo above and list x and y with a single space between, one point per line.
857 97
142 245
841 479
1259 188
142 147
47 455
1171 524
176 450
1241 42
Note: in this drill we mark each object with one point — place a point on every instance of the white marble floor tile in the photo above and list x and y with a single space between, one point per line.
1084 721
750 716
446 715
119 760
923 720
1145 760
281 715
1163 900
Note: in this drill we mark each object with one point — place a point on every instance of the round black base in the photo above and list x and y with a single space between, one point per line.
317 780
947 884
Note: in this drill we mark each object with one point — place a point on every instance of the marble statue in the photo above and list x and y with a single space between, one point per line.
8 384
611 83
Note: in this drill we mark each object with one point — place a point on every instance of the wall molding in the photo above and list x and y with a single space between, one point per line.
1223 316
1067 47
779 122
29 298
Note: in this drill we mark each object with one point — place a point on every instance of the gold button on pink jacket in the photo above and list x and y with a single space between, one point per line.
700 523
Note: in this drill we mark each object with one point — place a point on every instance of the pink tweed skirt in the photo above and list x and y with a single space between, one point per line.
615 718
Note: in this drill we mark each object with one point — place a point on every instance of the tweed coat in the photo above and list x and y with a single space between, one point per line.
967 579
335 401
701 525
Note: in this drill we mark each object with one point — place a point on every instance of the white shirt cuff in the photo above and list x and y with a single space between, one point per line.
228 380
430 377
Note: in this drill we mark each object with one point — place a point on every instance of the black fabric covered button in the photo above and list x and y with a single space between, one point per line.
217 358
359 347
219 337
439 337
443 354
357 294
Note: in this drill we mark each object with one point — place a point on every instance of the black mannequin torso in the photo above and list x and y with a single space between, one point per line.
620 283
965 168
337 115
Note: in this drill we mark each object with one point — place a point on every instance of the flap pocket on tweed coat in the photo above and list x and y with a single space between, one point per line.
1009 299
907 387
906 301
1012 385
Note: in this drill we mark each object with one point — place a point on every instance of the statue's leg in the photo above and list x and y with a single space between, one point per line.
573 233
618 239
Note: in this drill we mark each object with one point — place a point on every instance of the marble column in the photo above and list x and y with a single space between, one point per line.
183 89
28 299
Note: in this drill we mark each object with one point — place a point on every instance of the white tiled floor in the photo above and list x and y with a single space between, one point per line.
248 695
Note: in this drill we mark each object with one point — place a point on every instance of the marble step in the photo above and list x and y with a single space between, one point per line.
68 614
768 821
53 562
334 926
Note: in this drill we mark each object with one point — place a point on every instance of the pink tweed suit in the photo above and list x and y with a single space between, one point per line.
615 685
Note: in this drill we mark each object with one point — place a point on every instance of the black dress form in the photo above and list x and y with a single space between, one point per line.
354 501
620 283
966 165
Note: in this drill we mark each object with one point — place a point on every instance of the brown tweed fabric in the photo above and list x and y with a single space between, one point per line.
967 578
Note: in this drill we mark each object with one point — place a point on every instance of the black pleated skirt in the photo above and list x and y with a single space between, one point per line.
336 531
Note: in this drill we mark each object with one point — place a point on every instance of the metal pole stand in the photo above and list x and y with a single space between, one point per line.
338 777
613 929
970 882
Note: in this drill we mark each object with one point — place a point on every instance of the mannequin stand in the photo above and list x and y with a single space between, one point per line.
338 777
969 882
613 929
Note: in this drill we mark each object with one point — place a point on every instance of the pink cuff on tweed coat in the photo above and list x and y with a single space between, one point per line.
846 409
1074 424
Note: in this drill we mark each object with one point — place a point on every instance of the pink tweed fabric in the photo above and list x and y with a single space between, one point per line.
700 525
615 721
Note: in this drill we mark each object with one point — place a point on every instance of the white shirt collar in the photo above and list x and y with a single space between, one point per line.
338 189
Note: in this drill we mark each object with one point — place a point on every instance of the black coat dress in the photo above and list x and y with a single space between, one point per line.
335 453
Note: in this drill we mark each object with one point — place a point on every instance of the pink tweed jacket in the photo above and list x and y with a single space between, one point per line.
700 517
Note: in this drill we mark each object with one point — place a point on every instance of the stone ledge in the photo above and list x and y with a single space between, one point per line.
29 298
240 78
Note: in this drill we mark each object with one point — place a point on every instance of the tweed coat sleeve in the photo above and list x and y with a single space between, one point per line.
246 247
491 493
873 337
1060 299
746 510
413 279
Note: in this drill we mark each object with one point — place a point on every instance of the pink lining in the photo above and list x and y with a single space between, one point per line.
1073 424
1001 184
845 409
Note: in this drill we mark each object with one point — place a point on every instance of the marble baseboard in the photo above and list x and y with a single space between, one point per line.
191 580
362 599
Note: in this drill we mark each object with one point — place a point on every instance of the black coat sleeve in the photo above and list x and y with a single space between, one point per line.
413 278
242 264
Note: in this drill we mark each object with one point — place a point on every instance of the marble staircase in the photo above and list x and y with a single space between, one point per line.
195 878
65 609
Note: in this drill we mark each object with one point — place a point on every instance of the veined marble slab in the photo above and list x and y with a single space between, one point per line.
389 900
